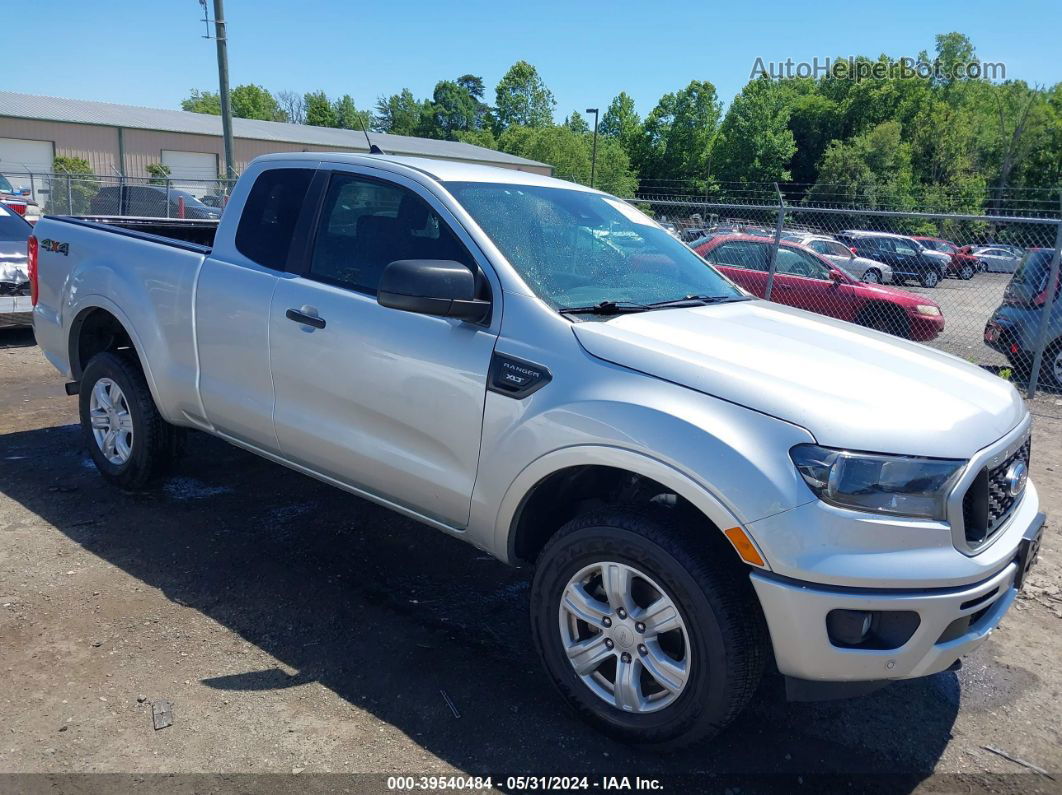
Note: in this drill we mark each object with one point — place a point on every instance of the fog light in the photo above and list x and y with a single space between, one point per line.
848 627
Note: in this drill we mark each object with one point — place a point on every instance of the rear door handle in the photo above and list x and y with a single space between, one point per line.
307 320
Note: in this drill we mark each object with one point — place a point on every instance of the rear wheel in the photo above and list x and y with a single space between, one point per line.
653 636
966 272
1051 372
929 279
128 440
872 276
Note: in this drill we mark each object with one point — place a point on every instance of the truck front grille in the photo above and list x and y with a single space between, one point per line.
988 502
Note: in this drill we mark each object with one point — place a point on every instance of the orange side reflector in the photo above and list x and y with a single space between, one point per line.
744 546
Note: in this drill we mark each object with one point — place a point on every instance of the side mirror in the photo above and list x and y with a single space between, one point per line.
439 287
836 277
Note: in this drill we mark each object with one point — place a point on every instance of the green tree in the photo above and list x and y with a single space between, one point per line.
347 115
569 153
400 114
320 112
484 138
453 109
521 98
954 52
159 173
678 136
622 122
871 170
202 102
254 102
814 121
72 187
576 123
248 101
755 143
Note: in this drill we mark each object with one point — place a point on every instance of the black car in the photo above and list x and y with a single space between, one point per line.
902 254
150 201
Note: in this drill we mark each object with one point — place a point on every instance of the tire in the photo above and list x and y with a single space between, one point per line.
885 318
872 276
134 459
930 278
1051 369
966 272
723 639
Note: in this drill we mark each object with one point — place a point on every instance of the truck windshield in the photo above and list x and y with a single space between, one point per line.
580 249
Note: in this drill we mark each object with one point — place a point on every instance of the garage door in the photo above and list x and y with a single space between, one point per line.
18 157
191 166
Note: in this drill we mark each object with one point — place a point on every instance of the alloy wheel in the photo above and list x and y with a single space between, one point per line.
112 424
625 637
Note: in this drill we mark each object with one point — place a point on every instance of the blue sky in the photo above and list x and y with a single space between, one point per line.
150 52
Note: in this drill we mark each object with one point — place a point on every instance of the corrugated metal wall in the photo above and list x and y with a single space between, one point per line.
99 145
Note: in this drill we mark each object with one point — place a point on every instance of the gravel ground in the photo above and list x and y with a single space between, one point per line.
297 629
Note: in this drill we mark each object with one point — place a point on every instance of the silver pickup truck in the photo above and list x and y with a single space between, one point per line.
697 477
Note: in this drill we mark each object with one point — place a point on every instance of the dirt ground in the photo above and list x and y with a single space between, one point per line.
296 629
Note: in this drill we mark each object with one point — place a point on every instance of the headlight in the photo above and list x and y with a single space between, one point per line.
901 485
927 309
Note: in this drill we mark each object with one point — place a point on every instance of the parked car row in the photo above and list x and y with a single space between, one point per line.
19 201
806 279
15 303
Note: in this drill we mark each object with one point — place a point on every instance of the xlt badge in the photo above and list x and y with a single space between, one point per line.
515 377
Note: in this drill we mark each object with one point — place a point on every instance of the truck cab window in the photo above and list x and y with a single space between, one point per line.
269 215
365 225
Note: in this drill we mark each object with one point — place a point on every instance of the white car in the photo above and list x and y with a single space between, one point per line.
862 268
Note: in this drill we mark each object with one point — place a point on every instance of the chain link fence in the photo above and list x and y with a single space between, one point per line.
154 197
984 288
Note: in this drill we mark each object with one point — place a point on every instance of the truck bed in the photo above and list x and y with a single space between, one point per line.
169 231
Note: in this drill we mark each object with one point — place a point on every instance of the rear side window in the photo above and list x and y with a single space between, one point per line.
750 256
270 214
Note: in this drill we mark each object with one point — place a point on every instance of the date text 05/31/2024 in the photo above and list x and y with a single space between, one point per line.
526 783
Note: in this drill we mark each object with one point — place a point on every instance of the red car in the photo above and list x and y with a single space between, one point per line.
963 264
807 281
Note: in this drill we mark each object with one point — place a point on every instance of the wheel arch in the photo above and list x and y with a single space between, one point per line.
100 326
550 490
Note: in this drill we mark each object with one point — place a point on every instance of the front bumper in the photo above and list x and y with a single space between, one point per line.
952 622
925 327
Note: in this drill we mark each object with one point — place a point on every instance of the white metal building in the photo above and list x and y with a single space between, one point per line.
121 140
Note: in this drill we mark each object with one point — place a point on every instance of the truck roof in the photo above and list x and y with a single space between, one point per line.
441 170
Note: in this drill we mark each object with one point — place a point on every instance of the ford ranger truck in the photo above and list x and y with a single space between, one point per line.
698 478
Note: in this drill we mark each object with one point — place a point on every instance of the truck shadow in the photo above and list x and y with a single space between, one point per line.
391 616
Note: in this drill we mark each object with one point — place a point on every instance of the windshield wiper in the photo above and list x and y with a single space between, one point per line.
605 308
696 300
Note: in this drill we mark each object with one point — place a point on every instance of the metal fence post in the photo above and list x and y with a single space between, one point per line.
167 197
1045 318
69 195
777 238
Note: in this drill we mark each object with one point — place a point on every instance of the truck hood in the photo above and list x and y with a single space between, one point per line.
849 386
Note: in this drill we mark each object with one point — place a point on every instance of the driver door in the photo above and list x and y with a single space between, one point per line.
386 402
803 281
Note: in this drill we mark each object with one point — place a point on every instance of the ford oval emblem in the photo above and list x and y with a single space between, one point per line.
1017 477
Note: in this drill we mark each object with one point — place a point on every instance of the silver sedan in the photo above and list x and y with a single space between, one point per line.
862 268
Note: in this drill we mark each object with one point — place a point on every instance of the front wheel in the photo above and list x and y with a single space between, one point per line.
966 272
126 436
929 279
651 633
872 276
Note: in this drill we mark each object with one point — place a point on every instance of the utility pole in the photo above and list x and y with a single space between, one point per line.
593 153
223 87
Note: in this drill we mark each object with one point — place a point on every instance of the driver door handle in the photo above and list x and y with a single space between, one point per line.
307 320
